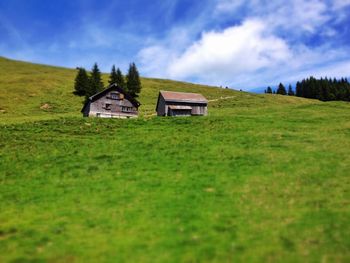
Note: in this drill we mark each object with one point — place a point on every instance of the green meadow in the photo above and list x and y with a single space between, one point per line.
263 178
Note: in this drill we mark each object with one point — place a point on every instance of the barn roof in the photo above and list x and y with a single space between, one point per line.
113 87
183 97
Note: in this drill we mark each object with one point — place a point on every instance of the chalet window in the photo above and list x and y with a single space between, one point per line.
127 109
108 106
114 96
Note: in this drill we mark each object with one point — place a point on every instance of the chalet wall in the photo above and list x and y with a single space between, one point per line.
112 104
86 110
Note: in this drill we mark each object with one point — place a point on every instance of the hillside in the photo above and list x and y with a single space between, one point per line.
25 87
263 178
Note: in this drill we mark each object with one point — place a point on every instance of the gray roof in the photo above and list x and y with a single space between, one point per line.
171 96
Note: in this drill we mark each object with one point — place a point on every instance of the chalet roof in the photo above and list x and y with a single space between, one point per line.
112 87
183 97
115 87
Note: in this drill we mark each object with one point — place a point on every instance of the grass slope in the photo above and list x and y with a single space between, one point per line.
263 178
25 87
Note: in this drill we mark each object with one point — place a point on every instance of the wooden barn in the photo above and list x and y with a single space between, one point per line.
113 102
181 104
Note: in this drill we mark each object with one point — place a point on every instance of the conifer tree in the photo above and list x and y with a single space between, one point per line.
133 83
281 89
116 77
81 84
290 91
347 96
120 79
325 89
113 76
298 89
269 90
96 84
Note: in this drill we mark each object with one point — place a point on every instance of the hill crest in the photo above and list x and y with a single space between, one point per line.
29 90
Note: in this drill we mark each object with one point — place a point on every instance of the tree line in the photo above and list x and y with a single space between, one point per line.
87 84
322 89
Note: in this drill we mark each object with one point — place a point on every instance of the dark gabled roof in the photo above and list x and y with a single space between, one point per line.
112 87
115 87
171 96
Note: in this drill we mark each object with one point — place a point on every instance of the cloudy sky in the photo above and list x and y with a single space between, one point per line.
242 44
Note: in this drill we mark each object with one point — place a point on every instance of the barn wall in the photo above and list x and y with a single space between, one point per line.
197 108
200 110
162 107
179 113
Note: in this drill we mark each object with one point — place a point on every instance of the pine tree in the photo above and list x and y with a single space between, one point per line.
313 88
347 90
298 91
325 89
113 76
281 89
120 79
290 91
332 90
96 84
302 85
116 77
269 90
81 84
133 83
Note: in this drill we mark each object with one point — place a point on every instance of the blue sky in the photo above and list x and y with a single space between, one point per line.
242 44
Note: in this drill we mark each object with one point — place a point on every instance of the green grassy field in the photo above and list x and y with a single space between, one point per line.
263 178
26 87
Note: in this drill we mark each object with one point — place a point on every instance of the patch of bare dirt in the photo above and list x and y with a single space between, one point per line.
46 106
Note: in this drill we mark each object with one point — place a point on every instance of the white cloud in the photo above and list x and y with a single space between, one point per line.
238 43
305 15
244 48
299 15
156 56
341 8
266 47
227 6
339 4
154 60
336 69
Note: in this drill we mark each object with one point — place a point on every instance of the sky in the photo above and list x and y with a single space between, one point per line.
242 44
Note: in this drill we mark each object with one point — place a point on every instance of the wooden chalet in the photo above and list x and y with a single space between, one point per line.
113 102
181 104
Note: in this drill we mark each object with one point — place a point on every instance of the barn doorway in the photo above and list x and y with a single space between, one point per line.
179 110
